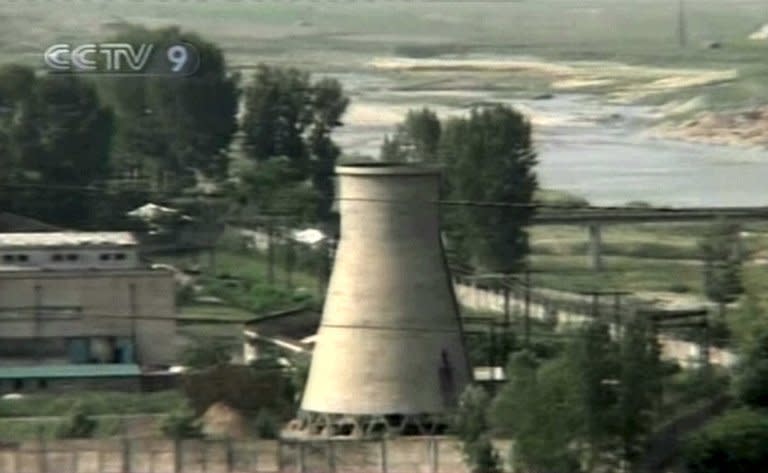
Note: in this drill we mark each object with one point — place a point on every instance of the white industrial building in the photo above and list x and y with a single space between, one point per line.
82 298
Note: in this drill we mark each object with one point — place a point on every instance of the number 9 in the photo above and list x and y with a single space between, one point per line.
178 55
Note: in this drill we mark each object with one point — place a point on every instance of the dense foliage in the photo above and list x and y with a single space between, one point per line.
488 157
582 408
734 443
170 131
54 142
287 123
473 429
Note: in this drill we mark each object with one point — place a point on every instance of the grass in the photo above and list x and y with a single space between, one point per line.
18 430
39 415
213 311
95 403
240 280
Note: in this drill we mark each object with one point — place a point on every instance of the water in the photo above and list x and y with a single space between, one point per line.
586 145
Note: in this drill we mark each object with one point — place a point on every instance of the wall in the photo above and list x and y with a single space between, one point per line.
92 304
402 455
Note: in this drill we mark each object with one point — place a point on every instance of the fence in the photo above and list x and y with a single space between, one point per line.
153 455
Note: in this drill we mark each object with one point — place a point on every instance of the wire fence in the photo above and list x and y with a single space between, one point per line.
160 455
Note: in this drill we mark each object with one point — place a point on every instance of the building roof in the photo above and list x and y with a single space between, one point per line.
291 324
69 371
66 239
10 222
489 373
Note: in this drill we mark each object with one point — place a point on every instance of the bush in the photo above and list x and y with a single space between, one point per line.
182 424
185 293
77 424
205 352
483 457
266 425
752 373
246 389
736 442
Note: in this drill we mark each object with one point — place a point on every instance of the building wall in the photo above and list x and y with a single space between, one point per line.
414 454
69 258
92 304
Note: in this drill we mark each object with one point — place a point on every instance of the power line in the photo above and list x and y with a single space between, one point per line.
443 202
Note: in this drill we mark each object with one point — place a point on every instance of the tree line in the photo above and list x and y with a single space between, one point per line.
80 151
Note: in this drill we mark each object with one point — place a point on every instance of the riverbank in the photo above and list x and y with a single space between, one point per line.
740 128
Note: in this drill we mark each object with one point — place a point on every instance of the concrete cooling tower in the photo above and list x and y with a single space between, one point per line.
389 355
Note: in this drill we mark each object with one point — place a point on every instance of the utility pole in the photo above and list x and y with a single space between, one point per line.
270 252
527 312
134 335
290 261
38 322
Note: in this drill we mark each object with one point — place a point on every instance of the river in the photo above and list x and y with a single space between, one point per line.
586 145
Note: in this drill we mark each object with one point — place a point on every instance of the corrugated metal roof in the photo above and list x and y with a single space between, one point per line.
57 239
69 371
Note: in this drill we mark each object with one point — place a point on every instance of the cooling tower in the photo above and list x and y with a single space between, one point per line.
389 355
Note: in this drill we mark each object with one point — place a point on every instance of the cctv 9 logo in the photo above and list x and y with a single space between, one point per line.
174 59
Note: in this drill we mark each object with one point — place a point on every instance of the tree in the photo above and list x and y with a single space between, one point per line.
639 385
471 424
206 352
489 157
277 114
55 140
276 187
415 140
722 265
593 358
537 407
736 442
174 128
288 116
584 407
752 371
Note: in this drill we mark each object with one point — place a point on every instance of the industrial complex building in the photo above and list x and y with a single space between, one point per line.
80 298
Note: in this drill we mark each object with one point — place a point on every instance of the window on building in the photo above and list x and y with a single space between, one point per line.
42 383
105 256
18 384
7 258
73 257
23 258
57 257
119 256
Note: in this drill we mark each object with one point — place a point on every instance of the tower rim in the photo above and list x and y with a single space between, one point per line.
388 169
